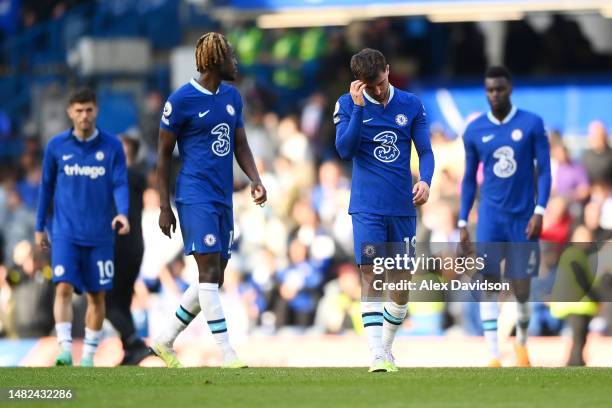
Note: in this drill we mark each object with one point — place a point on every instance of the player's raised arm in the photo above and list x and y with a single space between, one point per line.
47 188
420 137
167 141
468 186
245 160
348 128
121 192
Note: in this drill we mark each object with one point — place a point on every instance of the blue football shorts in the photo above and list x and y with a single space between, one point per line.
206 228
88 268
378 229
502 236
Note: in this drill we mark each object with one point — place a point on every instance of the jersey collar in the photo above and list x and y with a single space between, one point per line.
372 100
89 139
507 119
200 88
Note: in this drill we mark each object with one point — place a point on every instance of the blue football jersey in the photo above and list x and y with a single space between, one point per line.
509 151
378 140
204 124
87 181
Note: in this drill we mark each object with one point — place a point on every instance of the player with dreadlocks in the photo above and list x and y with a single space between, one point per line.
205 117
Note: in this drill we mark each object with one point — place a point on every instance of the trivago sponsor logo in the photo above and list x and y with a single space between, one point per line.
92 172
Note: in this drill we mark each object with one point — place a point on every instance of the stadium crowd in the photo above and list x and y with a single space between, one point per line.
292 267
292 264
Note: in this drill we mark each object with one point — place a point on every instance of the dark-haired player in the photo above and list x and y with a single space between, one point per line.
375 127
512 144
128 257
205 117
84 173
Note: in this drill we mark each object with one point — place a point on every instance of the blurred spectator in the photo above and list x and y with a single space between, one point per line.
149 123
569 178
19 223
158 249
313 45
339 308
557 221
312 234
294 144
262 145
554 138
604 277
598 157
286 75
449 155
312 116
542 322
574 295
327 195
592 220
6 183
248 43
32 293
27 187
5 132
5 295
605 221
172 279
441 222
262 277
128 258
298 288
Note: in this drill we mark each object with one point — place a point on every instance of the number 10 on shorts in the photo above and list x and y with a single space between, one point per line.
107 271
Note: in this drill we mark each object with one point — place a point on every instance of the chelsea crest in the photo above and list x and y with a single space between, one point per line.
401 119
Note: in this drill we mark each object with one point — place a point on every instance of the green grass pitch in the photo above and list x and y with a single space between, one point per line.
318 387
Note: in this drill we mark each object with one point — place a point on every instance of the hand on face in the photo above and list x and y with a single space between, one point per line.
356 91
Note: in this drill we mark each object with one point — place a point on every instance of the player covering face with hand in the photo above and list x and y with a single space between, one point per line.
204 117
376 124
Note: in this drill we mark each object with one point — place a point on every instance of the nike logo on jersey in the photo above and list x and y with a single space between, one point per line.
67 157
367 120
485 139
202 114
